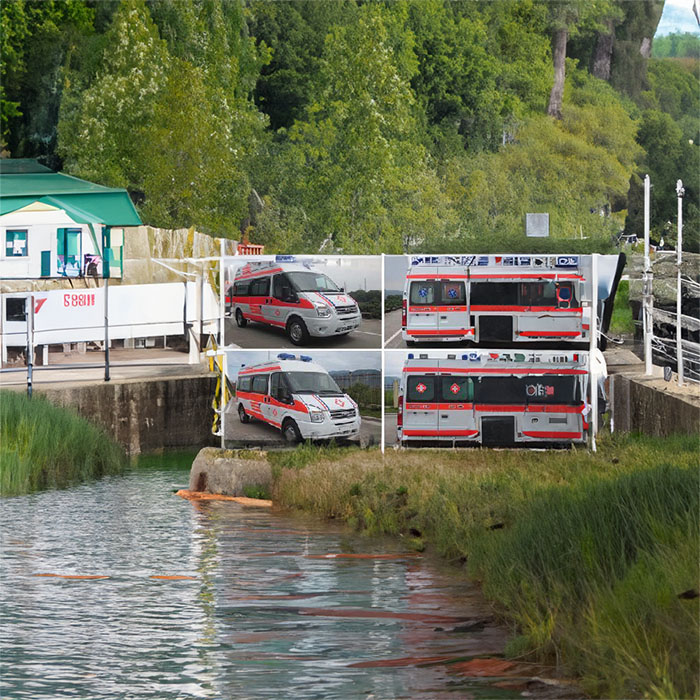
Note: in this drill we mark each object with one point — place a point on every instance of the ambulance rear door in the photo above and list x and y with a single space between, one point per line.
421 403
456 415
453 315
422 301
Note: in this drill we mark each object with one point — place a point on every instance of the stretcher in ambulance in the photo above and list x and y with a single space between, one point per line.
501 300
495 398
304 302
298 397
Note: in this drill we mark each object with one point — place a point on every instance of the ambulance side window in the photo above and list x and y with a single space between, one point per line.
422 293
240 289
260 287
453 292
421 389
494 294
260 384
457 388
244 384
282 289
279 389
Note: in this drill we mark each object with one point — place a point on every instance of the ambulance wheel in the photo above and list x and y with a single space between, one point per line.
245 418
290 431
241 322
296 330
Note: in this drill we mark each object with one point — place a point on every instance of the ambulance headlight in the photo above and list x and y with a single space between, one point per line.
323 311
316 416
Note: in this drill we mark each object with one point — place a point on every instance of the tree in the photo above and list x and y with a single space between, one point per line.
571 17
354 176
103 125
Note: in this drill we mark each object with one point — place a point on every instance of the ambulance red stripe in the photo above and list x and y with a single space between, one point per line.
552 434
437 331
259 273
549 334
490 370
252 370
448 432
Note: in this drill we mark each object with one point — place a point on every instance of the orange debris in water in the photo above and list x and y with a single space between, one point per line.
202 496
175 578
361 556
72 576
406 661
483 667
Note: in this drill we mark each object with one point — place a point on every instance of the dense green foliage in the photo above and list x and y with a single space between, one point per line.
44 446
357 127
677 45
586 554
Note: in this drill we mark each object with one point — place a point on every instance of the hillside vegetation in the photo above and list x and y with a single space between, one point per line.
361 127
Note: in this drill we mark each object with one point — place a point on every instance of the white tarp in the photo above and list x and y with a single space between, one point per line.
135 311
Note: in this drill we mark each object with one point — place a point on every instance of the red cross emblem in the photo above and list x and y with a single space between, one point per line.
455 388
274 412
421 388
339 402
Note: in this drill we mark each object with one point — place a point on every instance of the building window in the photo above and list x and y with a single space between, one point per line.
16 243
15 309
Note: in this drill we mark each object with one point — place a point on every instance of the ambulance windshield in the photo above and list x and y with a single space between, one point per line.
312 383
313 282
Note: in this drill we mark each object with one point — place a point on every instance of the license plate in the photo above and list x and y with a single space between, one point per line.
344 329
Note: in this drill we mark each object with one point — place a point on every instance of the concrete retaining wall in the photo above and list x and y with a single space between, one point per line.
145 415
639 407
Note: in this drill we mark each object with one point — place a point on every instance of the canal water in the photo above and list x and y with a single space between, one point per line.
216 600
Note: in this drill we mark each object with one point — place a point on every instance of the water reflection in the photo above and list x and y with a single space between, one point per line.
253 612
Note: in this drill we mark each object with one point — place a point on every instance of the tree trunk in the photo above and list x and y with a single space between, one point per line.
557 94
602 55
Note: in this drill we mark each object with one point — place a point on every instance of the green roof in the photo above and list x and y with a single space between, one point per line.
23 182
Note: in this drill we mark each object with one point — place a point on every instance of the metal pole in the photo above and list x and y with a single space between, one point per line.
106 287
647 292
592 349
222 310
680 191
30 344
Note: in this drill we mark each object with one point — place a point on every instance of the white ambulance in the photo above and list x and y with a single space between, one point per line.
295 297
297 396
503 300
496 398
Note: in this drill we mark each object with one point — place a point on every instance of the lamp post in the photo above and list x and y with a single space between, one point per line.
680 191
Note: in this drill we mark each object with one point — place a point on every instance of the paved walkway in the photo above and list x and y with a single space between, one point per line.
74 369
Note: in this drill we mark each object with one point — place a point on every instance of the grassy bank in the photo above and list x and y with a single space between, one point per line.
584 554
44 446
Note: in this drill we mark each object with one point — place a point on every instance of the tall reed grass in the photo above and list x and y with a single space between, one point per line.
44 446
584 554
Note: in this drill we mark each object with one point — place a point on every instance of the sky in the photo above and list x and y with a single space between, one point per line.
395 267
352 272
678 17
330 359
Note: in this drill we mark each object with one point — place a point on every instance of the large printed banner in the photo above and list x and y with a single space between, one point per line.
135 311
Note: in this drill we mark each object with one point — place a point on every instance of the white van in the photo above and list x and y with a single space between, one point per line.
297 396
493 398
505 300
295 297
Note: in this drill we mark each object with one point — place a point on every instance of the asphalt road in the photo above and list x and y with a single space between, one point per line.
259 434
389 430
260 336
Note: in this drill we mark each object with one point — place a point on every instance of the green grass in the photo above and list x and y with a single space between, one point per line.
584 555
43 446
622 320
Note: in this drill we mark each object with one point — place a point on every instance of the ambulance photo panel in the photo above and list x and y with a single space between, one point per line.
282 398
498 301
309 301
494 398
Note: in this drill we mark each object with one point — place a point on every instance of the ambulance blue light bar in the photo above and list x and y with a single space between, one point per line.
286 356
410 355
285 258
304 358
